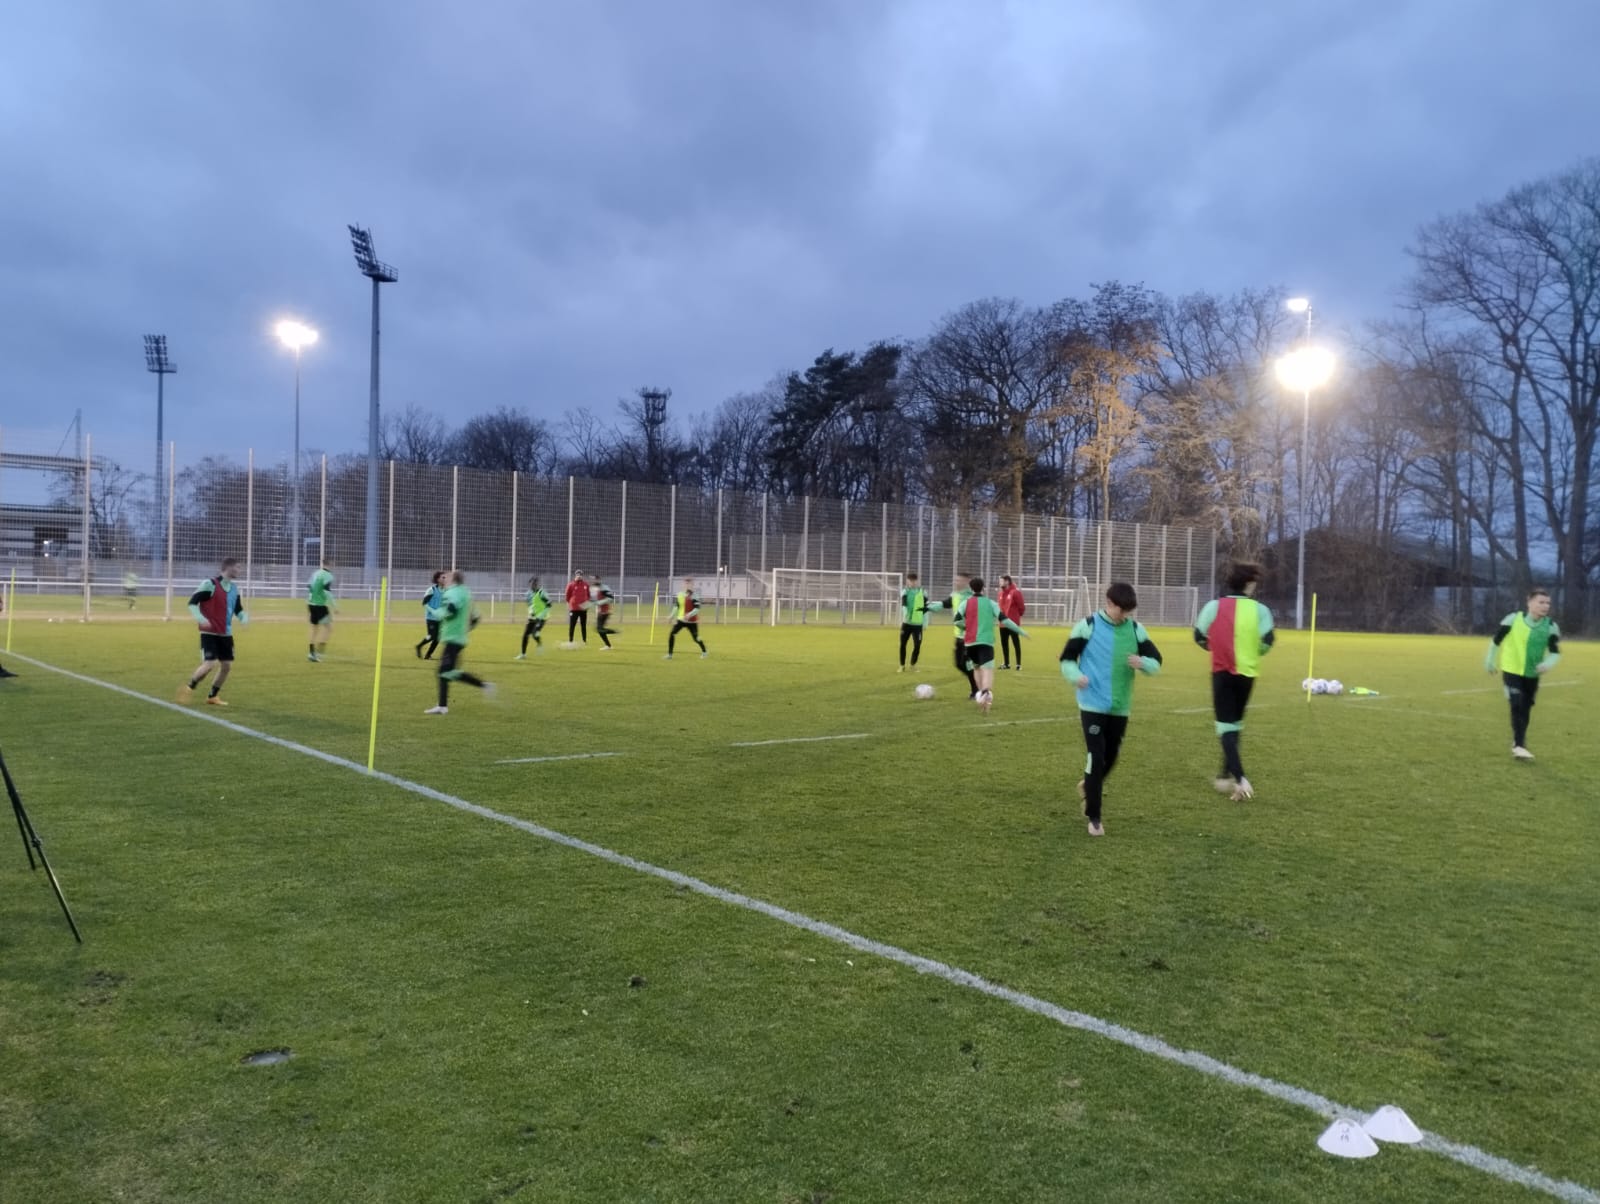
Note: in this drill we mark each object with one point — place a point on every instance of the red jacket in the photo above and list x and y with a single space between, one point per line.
577 595
1011 603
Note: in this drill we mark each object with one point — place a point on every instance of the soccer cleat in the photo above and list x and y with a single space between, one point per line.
418 651
901 669
521 656
667 657
1004 667
705 654
312 656
985 700
488 689
214 701
437 711
1096 828
1521 753
1242 791
1224 785
4 672
605 648
185 693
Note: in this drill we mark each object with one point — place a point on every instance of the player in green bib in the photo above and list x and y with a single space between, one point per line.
980 619
538 612
953 602
913 614
456 619
1524 649
320 605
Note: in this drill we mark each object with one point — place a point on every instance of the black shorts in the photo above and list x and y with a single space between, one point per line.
319 614
1230 695
979 655
215 647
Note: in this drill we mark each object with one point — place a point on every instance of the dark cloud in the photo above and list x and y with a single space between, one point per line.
585 198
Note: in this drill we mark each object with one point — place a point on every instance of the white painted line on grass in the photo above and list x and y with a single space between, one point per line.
565 757
1543 685
800 740
1022 722
1467 1155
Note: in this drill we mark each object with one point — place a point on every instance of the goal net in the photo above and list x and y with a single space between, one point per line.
833 596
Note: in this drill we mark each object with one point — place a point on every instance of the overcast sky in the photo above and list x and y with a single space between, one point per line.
586 197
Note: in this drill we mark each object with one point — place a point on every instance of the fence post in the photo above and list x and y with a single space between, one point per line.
455 494
1136 534
172 481
1164 529
672 536
721 576
88 487
512 584
622 546
570 489
884 569
765 567
249 517
322 516
955 543
389 553
844 561
805 551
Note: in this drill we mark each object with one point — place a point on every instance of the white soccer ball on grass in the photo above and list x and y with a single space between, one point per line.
924 691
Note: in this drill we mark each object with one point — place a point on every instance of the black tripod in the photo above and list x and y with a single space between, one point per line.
30 841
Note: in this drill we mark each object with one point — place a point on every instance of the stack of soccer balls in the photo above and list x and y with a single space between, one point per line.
1322 685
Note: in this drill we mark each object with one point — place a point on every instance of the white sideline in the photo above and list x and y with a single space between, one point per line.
1468 1155
800 740
563 757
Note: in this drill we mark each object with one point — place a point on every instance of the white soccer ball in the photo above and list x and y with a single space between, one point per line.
1335 686
1308 685
924 691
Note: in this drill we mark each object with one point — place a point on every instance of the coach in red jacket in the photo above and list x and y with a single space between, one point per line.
1012 606
578 607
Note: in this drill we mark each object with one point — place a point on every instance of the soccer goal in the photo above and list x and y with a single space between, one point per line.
833 596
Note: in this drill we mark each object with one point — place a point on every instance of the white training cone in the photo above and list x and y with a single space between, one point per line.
1390 1123
1347 1139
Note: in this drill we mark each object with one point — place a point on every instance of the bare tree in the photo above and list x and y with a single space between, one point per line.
414 436
505 441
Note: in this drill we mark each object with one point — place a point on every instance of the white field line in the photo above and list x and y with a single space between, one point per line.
1467 1155
564 757
1496 689
800 740
1024 722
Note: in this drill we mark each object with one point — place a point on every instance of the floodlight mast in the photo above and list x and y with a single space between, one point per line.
155 360
379 273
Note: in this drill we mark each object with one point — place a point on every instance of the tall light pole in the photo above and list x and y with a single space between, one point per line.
155 360
378 273
296 336
1304 369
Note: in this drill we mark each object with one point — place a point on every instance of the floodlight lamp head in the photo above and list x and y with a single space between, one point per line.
155 355
1305 369
295 335
367 259
1297 305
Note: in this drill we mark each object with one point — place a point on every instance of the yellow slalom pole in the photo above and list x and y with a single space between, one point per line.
377 672
1311 657
655 605
11 607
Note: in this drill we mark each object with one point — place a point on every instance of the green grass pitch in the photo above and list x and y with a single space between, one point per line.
1403 915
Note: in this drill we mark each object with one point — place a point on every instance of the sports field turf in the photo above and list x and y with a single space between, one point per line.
478 1012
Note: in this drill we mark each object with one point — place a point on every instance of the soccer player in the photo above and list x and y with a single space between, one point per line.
1237 631
130 588
952 602
1013 606
456 621
686 606
980 615
1524 649
603 600
577 610
430 601
214 606
913 614
1102 654
538 611
320 605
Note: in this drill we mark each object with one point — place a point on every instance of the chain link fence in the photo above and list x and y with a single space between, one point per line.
85 528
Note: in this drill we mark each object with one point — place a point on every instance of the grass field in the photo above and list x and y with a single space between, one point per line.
478 1012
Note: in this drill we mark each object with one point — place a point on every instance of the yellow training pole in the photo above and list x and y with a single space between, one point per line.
11 607
377 672
655 605
1311 657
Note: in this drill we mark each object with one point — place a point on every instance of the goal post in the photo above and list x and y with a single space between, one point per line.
833 596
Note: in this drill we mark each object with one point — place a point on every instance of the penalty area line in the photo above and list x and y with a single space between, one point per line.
563 757
1467 1155
800 740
